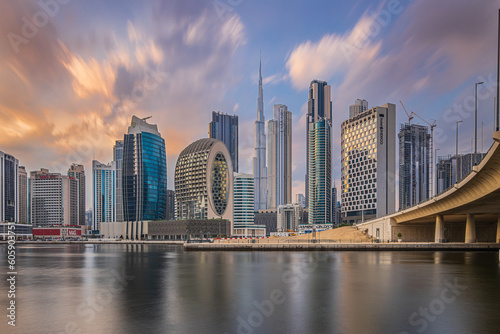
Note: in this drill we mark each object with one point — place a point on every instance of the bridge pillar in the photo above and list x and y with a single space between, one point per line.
498 230
439 235
470 229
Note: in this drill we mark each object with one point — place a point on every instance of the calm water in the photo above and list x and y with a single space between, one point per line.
162 289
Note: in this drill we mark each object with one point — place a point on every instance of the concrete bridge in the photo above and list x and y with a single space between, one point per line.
468 212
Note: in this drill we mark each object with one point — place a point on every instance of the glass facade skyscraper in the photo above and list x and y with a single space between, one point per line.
9 198
118 159
104 193
225 128
144 173
414 165
320 171
23 195
319 106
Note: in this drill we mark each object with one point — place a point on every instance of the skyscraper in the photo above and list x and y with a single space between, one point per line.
54 199
225 128
77 171
259 161
320 171
449 169
358 107
144 172
243 199
204 181
414 165
170 205
118 159
445 173
104 193
23 195
368 160
319 107
9 186
334 205
279 136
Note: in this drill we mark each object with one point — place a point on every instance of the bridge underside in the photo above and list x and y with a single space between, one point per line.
454 230
468 212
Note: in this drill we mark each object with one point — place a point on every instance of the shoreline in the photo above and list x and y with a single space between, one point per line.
264 247
344 247
109 242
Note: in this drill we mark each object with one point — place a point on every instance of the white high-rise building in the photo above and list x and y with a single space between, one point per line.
104 193
279 170
368 186
243 199
54 199
259 161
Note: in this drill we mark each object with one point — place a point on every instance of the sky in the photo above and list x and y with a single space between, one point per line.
73 72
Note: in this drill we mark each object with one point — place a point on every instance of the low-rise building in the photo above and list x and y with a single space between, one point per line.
58 232
20 231
167 229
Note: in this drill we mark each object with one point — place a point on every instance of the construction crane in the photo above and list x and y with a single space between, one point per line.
410 116
432 126
146 118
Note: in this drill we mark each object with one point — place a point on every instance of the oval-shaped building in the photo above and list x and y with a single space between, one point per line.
204 181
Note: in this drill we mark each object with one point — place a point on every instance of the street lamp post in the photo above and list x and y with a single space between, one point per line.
475 124
456 156
435 161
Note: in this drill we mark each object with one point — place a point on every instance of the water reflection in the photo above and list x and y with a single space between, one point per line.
158 289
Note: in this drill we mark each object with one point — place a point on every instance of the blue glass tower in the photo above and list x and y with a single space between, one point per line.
144 173
320 171
225 128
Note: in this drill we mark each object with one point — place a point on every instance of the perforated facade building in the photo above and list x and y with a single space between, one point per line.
204 181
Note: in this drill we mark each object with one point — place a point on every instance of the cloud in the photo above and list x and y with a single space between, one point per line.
428 52
274 79
68 95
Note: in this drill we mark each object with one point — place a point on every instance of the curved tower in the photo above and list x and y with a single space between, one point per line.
204 181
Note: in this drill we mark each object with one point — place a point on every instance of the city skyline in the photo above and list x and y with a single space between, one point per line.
75 85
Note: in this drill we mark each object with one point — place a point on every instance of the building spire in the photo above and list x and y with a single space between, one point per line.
259 161
260 101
